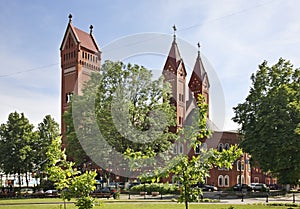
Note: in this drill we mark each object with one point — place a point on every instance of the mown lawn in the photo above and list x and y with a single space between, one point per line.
42 204
149 206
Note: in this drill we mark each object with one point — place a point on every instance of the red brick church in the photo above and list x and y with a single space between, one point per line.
81 55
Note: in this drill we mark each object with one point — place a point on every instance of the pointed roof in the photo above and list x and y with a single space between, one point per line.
199 71
174 59
174 55
85 39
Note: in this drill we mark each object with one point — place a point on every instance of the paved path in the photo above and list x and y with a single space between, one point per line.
247 200
167 199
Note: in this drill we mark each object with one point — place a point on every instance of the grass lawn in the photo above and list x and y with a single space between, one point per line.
42 204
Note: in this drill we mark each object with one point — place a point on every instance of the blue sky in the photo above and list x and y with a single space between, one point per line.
236 36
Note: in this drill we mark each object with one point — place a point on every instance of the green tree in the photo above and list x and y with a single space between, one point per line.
48 130
67 179
16 145
190 171
128 104
270 120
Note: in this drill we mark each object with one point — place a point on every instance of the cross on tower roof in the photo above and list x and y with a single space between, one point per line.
70 18
91 29
174 28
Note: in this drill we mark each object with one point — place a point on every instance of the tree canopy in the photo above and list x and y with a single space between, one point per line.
16 145
270 120
23 149
191 171
129 113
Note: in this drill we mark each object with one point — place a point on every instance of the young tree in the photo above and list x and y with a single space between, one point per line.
270 120
16 145
68 179
191 171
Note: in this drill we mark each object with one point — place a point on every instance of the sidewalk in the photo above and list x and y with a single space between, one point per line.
246 200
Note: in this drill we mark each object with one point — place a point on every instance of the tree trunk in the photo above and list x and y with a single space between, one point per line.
19 179
186 204
26 177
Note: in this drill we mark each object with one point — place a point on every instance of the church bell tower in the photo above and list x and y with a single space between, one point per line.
80 56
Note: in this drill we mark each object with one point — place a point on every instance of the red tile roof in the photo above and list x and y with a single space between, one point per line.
86 39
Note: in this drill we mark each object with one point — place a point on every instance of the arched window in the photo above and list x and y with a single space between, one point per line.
197 149
226 181
220 147
243 166
227 146
180 149
220 181
238 165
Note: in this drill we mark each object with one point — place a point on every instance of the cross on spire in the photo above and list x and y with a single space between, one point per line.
198 44
174 28
70 18
91 29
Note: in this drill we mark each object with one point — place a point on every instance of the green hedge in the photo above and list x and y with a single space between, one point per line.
156 187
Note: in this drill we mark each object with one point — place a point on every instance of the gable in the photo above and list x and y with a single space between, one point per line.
69 33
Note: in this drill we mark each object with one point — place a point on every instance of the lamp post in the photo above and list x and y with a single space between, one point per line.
241 184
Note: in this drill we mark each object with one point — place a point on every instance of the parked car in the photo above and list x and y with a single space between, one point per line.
243 187
252 185
26 191
51 193
209 188
113 185
105 192
205 187
122 185
273 186
261 188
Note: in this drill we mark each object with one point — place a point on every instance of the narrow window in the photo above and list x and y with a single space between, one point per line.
238 165
197 149
180 148
220 181
242 166
226 181
220 147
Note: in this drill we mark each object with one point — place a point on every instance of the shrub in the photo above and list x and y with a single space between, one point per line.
155 187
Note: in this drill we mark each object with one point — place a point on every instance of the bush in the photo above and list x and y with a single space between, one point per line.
284 204
155 187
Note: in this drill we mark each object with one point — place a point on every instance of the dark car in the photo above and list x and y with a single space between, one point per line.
243 187
205 187
209 188
105 192
261 188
